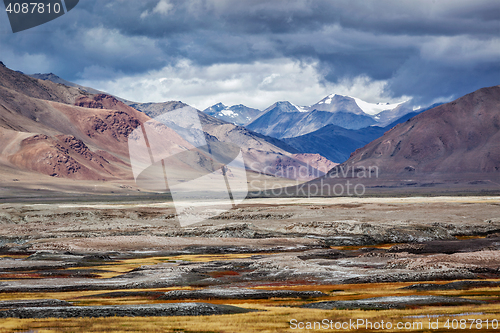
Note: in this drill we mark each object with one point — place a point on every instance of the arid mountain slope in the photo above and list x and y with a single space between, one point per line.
43 131
56 79
30 87
63 156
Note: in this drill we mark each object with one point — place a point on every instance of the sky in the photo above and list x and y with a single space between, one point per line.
256 52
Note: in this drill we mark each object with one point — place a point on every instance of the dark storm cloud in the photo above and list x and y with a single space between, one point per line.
427 49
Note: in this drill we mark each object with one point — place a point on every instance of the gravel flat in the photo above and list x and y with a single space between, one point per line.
394 302
32 303
239 293
150 310
456 285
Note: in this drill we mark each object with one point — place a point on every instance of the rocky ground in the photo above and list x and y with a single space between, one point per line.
137 250
394 302
144 310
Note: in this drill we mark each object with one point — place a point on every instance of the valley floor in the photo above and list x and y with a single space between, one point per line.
270 265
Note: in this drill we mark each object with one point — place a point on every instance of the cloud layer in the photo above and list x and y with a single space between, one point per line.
257 52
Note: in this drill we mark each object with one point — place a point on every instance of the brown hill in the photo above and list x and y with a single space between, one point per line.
45 90
63 156
43 132
459 137
452 147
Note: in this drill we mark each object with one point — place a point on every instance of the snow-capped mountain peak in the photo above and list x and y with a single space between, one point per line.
374 108
236 114
301 108
344 103
327 99
215 108
228 113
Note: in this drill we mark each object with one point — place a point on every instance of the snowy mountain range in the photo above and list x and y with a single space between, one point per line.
336 103
236 114
333 127
285 119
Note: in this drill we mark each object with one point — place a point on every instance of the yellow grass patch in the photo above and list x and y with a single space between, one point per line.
119 267
275 315
14 256
270 319
469 237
